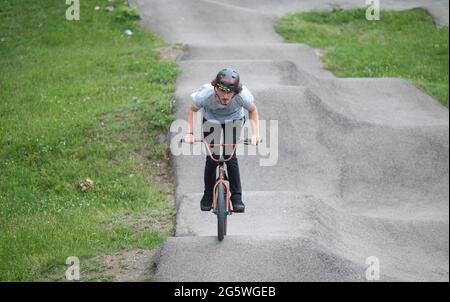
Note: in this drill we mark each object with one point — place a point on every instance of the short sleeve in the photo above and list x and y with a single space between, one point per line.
246 97
200 97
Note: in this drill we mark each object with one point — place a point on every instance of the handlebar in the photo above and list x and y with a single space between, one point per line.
209 146
242 141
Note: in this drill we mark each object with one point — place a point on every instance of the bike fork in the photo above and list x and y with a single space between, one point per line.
226 183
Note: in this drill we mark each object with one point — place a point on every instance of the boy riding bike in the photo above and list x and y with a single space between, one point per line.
222 103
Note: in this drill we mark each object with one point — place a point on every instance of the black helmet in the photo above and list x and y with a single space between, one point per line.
228 80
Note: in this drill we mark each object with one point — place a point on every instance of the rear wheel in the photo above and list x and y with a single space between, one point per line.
221 213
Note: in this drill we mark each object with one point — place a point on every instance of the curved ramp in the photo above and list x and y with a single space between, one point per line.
254 259
360 166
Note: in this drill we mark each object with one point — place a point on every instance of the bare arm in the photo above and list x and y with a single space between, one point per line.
190 130
254 119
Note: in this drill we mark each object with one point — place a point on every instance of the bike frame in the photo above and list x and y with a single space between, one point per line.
222 164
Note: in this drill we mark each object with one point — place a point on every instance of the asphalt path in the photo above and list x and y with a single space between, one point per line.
350 168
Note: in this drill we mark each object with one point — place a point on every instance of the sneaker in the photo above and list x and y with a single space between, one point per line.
238 206
206 202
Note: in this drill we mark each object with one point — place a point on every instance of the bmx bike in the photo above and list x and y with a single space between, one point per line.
221 190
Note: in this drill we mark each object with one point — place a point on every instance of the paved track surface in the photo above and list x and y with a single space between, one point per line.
362 165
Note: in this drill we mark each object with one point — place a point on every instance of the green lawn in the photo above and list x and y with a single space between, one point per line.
401 44
78 100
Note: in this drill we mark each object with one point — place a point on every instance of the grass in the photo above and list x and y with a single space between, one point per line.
78 100
401 44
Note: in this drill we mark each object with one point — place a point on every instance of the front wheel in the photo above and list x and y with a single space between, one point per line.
221 213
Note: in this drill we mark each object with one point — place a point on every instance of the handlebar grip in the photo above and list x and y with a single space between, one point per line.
245 141
249 141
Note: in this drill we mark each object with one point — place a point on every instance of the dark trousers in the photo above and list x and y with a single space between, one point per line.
212 134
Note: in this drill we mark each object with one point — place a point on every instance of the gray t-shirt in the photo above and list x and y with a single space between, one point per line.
213 110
